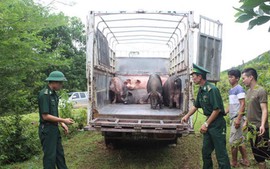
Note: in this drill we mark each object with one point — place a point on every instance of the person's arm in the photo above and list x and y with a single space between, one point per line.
264 117
52 118
211 118
216 101
65 127
190 113
237 121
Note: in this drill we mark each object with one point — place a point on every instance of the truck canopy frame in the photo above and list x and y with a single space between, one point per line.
174 33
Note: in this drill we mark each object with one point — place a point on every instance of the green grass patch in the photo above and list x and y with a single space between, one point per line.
199 119
87 150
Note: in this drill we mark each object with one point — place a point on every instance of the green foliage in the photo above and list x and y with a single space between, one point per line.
22 131
33 42
80 117
257 12
18 139
224 87
66 111
261 64
20 48
251 133
65 107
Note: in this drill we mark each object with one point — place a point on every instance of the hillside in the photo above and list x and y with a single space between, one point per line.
260 63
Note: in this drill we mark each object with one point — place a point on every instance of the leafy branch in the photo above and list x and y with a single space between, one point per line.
257 12
250 135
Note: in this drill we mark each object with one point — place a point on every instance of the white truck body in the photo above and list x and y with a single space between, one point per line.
137 44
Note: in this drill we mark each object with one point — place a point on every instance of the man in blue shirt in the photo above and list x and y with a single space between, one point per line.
236 111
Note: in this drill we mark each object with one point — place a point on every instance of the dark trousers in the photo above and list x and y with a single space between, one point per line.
50 138
260 151
215 139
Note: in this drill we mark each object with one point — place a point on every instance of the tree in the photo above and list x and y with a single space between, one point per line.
257 12
68 41
33 42
21 50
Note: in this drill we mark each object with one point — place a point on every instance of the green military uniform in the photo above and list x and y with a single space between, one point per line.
209 99
49 133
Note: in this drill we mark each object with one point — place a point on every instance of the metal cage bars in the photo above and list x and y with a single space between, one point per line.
171 42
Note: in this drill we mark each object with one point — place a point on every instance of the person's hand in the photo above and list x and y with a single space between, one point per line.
203 129
68 121
185 119
65 127
237 123
262 130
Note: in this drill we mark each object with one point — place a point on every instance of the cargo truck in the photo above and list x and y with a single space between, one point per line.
134 45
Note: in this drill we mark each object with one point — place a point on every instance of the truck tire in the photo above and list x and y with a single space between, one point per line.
110 143
174 141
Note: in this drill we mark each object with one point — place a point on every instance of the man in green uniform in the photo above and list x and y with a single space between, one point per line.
214 128
49 133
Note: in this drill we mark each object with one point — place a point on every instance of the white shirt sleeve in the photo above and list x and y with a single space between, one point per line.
241 95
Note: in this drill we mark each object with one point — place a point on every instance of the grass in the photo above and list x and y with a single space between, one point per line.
199 120
87 150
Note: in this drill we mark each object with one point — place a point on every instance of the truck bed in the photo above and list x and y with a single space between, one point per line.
138 118
138 111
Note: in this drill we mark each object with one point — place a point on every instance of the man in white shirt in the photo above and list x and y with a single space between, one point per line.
236 111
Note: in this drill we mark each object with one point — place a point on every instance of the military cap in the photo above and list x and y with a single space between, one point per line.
56 76
199 70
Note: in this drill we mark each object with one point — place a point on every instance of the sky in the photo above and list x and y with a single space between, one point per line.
239 44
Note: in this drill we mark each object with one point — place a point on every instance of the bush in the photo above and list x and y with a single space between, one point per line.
18 140
66 111
65 107
80 117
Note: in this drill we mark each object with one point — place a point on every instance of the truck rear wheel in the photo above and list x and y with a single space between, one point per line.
110 143
174 141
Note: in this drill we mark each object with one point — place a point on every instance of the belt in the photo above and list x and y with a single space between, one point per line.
234 117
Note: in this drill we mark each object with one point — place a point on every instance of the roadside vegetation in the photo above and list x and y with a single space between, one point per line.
87 150
35 41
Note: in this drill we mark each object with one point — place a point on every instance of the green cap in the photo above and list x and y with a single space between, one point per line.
56 76
199 70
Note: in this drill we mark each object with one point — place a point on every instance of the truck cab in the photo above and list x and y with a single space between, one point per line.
134 45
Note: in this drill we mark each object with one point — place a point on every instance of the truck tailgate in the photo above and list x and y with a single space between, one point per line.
138 125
